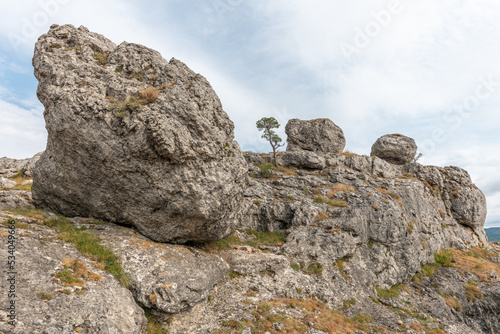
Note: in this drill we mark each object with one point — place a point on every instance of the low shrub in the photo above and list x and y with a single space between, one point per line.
149 95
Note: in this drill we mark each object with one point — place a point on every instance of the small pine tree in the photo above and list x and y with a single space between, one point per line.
267 124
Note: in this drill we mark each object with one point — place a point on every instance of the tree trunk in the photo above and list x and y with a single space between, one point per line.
274 156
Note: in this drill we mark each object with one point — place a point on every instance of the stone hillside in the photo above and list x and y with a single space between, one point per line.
144 216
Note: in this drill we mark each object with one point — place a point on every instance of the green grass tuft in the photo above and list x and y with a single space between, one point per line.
88 244
444 257
393 292
323 200
154 325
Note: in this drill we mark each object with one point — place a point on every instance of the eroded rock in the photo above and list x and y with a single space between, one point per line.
45 304
317 135
395 148
6 183
134 139
10 167
168 278
15 199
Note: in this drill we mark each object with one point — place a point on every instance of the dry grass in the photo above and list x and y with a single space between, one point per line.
322 216
101 58
348 154
44 296
340 265
337 188
19 178
154 325
416 327
324 319
375 207
75 273
320 199
149 94
451 301
454 190
286 171
410 226
442 213
28 212
393 195
473 293
476 261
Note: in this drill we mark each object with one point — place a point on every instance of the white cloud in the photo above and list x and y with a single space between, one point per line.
22 131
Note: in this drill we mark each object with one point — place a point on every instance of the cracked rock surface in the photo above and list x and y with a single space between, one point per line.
134 139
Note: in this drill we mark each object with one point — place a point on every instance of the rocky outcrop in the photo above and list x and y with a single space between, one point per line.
49 302
134 139
302 160
6 183
15 199
10 167
355 229
164 277
463 200
396 149
324 243
318 135
357 233
336 212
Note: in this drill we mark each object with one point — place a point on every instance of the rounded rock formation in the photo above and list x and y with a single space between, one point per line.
396 149
317 135
134 139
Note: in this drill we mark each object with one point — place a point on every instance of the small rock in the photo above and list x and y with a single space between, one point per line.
247 330
6 183
316 331
278 326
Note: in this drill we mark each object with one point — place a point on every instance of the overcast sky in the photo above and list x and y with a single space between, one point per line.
429 69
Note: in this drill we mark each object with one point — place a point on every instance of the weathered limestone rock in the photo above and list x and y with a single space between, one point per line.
10 167
302 159
6 183
253 263
318 135
15 199
134 139
395 148
465 202
45 305
168 278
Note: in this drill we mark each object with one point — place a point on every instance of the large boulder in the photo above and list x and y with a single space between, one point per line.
317 135
396 149
135 139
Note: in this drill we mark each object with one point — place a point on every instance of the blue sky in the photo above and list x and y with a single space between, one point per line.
428 69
